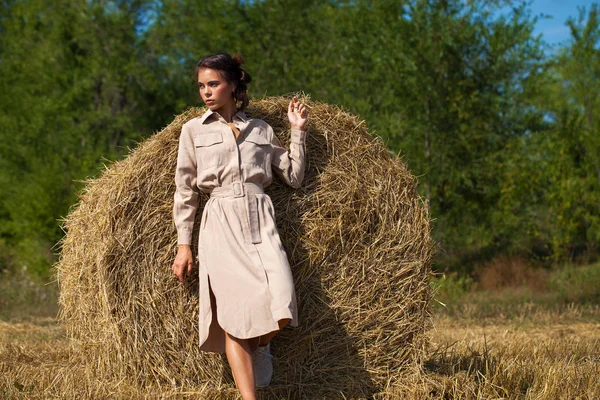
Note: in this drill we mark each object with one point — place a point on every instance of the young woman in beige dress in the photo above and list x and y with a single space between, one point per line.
246 287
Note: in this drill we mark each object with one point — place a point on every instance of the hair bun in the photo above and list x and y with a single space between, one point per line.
238 59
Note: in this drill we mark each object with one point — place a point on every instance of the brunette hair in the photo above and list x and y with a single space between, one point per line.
231 69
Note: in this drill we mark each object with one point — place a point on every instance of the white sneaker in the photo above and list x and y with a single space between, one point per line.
263 365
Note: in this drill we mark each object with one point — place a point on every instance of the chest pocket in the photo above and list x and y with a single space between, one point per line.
256 149
209 147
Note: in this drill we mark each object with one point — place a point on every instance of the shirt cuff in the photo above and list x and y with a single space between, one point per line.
298 136
184 236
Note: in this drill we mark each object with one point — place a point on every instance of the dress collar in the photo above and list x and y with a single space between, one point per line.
239 115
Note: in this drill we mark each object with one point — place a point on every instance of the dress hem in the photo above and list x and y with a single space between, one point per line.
293 323
255 332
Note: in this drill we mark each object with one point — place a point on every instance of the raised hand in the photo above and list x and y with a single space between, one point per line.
297 113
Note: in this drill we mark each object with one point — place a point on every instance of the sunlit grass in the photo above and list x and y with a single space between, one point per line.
564 288
526 342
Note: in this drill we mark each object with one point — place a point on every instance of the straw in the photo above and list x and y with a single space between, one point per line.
356 233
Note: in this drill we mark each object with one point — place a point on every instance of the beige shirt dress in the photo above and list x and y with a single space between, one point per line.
245 280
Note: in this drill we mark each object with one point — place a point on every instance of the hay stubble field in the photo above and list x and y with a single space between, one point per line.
513 350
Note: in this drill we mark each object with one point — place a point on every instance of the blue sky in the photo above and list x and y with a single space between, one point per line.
554 30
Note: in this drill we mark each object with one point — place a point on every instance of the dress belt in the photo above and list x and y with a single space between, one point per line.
248 190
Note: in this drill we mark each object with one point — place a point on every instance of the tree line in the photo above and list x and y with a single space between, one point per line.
500 128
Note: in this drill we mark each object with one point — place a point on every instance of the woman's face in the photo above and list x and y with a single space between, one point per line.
215 91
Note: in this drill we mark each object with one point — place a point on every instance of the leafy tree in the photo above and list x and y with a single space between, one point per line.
504 140
447 85
562 161
73 93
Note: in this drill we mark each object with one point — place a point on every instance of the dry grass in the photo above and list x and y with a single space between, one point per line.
541 354
23 295
505 271
558 360
358 238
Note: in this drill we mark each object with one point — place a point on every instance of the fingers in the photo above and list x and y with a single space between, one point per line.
189 268
178 272
294 104
302 110
182 268
295 107
301 113
175 270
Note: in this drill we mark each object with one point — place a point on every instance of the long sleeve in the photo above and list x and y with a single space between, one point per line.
186 192
289 165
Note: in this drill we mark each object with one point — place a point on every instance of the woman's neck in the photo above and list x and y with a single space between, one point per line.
227 111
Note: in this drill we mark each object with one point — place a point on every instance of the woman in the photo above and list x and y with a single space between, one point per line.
246 287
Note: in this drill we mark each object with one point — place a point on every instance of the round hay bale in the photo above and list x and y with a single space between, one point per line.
357 235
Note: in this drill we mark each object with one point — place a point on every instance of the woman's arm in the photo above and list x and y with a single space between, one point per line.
185 204
186 192
289 165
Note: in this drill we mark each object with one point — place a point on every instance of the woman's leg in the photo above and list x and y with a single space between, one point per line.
240 360
266 338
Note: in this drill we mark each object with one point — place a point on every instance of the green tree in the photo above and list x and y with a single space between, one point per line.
74 91
447 85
